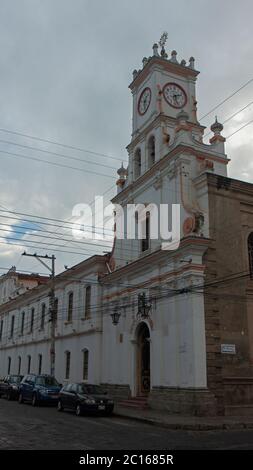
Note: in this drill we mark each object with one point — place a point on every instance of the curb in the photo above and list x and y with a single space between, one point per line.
188 427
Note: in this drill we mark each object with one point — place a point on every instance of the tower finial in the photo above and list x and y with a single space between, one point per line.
163 39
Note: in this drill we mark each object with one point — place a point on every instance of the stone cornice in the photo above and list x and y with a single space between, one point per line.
159 119
43 290
161 164
156 257
167 65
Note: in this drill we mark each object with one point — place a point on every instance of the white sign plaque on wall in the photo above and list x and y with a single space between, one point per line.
228 349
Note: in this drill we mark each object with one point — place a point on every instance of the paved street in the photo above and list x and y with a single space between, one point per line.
25 427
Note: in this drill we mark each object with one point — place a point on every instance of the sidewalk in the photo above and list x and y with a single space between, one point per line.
206 423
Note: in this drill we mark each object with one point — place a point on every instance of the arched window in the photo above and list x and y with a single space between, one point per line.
39 363
87 302
22 323
32 320
43 314
19 365
250 252
70 307
137 163
9 366
1 329
85 364
56 301
145 242
28 364
151 151
67 364
12 326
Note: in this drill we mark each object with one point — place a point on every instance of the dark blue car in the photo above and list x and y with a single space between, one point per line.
39 389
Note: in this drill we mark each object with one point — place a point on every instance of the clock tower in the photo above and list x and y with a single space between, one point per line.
161 89
167 155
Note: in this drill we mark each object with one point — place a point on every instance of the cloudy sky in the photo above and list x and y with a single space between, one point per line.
65 67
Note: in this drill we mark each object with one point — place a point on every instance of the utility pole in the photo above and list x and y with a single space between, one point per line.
51 304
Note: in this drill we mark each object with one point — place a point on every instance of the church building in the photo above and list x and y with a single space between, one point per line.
170 328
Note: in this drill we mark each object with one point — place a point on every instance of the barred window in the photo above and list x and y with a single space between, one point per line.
39 363
43 314
67 364
28 364
12 326
22 323
87 301
85 364
19 365
32 320
250 253
1 329
9 366
70 307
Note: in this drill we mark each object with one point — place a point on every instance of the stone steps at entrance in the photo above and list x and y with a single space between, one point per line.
140 402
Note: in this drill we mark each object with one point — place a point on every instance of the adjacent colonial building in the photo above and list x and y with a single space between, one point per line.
172 326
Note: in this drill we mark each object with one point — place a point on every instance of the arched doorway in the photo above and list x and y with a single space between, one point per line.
143 359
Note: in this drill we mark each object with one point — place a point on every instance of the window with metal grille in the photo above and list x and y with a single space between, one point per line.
39 363
28 364
70 307
19 365
85 364
250 253
67 364
43 314
9 366
22 323
1 329
87 301
12 326
32 320
145 242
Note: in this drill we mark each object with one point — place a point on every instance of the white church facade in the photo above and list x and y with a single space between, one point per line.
135 320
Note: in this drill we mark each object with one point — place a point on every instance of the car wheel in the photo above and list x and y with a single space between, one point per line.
20 398
59 406
35 401
78 410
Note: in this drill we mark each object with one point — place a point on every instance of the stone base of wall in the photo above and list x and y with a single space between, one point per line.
238 391
117 392
184 401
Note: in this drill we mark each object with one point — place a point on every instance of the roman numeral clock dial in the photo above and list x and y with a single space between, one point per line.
174 95
144 101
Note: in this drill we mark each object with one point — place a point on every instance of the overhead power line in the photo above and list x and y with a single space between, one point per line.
56 154
18 155
226 99
60 144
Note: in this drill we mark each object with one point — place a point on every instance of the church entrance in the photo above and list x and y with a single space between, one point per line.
143 359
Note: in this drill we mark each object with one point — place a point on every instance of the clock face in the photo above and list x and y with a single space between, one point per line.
174 95
144 101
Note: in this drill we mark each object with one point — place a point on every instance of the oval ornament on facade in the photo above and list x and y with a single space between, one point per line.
189 225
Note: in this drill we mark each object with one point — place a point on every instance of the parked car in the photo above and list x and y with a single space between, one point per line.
9 386
39 389
83 398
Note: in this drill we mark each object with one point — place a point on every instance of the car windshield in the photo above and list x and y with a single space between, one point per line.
15 379
92 389
47 382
